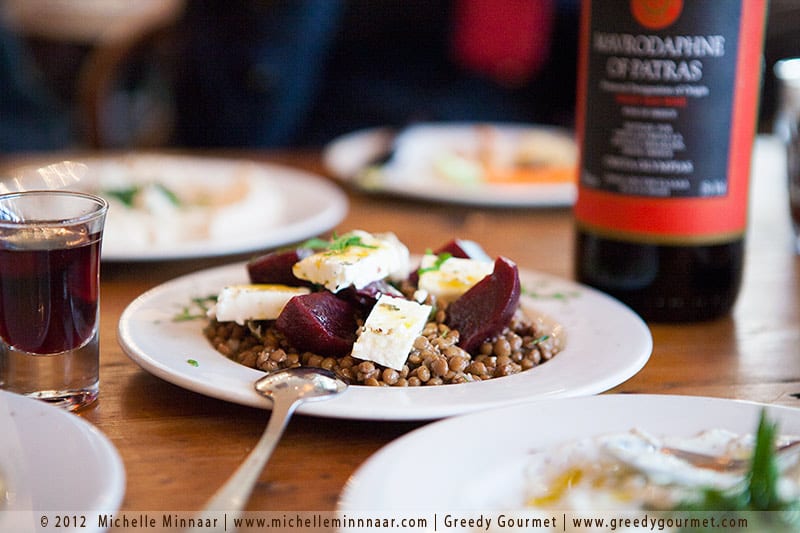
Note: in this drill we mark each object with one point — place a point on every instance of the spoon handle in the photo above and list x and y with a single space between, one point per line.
233 495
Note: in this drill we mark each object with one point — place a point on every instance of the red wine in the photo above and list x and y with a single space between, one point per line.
48 298
666 117
663 283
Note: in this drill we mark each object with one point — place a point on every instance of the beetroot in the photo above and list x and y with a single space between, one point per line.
319 322
464 249
366 297
276 267
485 309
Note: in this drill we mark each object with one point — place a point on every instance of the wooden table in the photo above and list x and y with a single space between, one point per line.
178 447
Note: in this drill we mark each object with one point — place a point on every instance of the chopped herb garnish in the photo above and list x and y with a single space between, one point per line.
193 362
337 244
539 340
169 193
555 295
316 244
196 310
125 196
440 259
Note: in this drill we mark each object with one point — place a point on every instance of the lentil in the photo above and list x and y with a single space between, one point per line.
435 357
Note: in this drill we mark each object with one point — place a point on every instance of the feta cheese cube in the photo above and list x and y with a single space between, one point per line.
240 303
388 334
449 279
369 258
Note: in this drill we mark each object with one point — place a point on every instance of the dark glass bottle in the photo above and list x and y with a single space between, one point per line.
663 283
668 94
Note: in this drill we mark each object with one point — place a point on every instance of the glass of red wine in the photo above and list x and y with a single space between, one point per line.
49 286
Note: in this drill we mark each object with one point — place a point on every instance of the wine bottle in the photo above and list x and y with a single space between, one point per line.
666 117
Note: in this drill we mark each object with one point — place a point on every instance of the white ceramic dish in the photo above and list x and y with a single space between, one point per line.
345 156
495 481
54 462
606 343
276 205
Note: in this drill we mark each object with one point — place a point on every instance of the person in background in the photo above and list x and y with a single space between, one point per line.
300 72
279 73
30 115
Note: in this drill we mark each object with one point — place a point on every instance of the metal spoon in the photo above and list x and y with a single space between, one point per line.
631 453
722 463
287 389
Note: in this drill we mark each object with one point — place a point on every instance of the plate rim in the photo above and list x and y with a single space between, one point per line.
110 486
423 403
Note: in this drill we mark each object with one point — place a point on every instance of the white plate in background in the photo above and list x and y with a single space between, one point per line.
276 205
409 172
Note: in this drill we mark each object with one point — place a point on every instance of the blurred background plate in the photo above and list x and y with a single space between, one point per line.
485 164
179 207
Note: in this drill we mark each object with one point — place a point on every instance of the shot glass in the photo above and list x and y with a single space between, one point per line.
49 287
787 128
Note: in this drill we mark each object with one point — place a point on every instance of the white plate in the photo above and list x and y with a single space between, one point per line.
282 205
486 453
345 156
606 343
52 461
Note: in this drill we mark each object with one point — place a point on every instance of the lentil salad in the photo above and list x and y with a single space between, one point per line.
435 358
434 355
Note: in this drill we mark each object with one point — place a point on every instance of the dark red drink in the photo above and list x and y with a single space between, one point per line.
48 297
49 274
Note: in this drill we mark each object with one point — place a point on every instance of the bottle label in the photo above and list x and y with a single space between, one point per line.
669 92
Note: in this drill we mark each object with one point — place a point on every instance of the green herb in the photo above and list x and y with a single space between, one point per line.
758 492
316 244
197 309
125 196
337 244
193 362
437 265
555 295
539 340
764 473
169 193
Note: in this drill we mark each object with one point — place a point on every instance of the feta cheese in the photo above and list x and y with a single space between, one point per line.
369 258
240 303
388 334
451 278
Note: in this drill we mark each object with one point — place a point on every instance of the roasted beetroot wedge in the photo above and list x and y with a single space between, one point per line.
484 310
276 267
319 322
464 249
366 297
